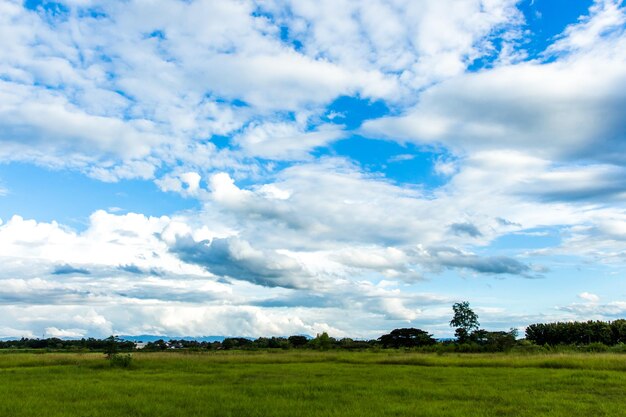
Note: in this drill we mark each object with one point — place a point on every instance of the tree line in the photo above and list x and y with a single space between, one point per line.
578 333
469 337
53 343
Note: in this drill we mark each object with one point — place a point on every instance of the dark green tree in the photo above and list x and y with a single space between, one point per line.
298 341
577 333
322 341
410 337
494 341
111 347
465 321
618 330
236 343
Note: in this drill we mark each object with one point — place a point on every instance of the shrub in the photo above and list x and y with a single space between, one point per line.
119 360
526 346
619 348
596 347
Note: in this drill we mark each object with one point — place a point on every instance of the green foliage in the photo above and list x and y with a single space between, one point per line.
618 331
298 341
351 344
577 333
527 347
596 347
54 343
465 321
111 347
157 345
619 348
407 338
120 360
271 343
594 336
494 341
236 343
322 342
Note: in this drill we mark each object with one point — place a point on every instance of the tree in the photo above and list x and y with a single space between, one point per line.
577 333
465 321
236 343
322 341
494 341
406 338
111 347
298 341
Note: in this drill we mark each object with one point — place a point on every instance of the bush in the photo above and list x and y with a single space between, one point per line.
119 360
619 348
526 346
596 347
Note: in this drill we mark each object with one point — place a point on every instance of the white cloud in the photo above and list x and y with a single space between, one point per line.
128 274
285 141
445 167
598 238
109 240
564 110
587 296
64 333
606 19
15 333
595 311
186 183
559 110
125 91
420 43
296 244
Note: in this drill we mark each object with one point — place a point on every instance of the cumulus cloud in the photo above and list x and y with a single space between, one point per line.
232 257
561 109
599 238
122 89
255 277
594 310
109 241
185 183
422 42
558 110
36 291
64 333
284 141
331 201
587 296
10 333
228 103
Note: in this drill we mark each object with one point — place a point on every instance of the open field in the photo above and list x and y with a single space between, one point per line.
308 383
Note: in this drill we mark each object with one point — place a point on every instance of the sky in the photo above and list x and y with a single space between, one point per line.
280 167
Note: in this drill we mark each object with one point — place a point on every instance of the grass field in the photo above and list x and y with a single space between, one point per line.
313 384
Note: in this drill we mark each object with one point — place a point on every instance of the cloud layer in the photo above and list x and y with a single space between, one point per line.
514 165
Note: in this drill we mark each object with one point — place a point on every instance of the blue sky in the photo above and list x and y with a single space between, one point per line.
274 168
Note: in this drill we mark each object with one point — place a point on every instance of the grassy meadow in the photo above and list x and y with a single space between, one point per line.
293 383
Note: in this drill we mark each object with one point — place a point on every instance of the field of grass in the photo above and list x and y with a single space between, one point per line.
309 383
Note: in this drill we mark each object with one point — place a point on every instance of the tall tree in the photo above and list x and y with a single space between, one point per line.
465 321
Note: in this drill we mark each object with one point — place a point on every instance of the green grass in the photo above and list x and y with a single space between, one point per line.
313 384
